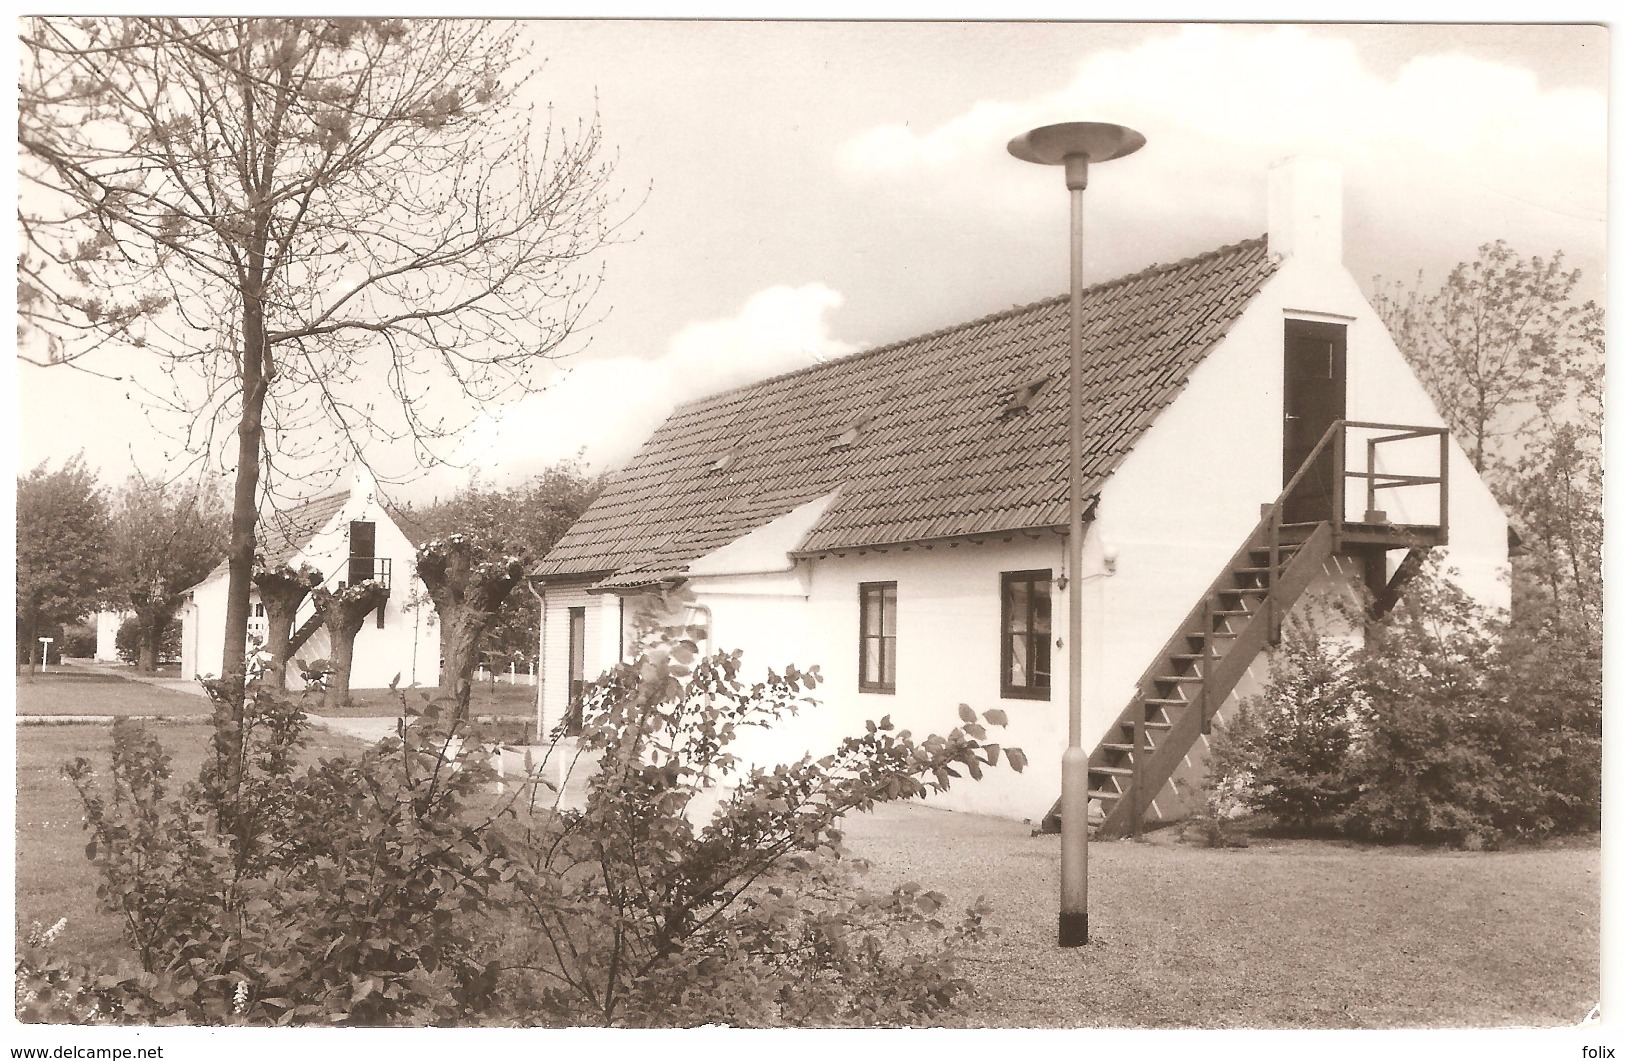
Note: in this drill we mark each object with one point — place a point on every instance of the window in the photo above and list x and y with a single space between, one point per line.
1025 626
877 637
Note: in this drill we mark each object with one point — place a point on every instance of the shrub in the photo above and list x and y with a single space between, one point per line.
754 917
1292 740
127 642
1447 752
78 641
394 888
1223 793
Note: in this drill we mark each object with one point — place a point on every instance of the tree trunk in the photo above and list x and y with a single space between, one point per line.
146 661
282 591
152 618
463 628
344 613
467 592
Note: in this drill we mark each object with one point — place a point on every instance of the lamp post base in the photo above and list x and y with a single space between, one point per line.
1074 929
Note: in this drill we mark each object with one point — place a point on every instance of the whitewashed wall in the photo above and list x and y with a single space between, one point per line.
408 645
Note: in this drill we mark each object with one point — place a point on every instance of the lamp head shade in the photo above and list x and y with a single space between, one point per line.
1075 145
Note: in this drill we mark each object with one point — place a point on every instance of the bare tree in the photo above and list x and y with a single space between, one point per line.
327 234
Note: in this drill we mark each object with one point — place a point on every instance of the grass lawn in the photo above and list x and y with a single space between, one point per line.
501 699
1285 933
54 879
1304 934
76 690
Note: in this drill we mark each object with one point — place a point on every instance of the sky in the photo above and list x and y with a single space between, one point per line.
799 191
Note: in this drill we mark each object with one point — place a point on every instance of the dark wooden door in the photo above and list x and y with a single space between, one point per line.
1313 398
578 669
363 550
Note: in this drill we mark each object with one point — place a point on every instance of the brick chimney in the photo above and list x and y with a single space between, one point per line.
1306 209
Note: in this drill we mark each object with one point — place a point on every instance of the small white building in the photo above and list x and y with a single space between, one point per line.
347 536
107 626
898 517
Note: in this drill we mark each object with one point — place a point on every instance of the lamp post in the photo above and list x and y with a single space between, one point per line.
1075 145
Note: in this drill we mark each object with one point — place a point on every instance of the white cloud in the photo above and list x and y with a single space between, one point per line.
608 406
1217 100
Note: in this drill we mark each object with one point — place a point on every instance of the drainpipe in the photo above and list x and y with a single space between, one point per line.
541 654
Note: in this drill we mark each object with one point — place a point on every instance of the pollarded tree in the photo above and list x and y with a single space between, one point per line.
533 515
468 584
343 612
311 225
163 541
282 589
62 527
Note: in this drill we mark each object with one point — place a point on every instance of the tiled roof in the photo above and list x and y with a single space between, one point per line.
934 454
282 534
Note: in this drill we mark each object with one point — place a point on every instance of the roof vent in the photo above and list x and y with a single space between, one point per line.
1021 398
725 462
850 433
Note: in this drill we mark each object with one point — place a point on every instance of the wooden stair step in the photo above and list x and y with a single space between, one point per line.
1173 679
1153 725
1100 793
1245 591
1114 771
1127 749
1161 702
1230 611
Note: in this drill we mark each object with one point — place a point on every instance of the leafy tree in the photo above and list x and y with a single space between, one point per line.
62 529
130 638
164 542
526 519
287 217
1503 338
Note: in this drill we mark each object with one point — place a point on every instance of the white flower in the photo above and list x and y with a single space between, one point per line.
54 931
239 998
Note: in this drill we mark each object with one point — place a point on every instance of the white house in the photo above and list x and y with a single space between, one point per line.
898 517
107 624
347 536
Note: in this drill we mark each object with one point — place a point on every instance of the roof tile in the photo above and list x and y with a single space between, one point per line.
935 457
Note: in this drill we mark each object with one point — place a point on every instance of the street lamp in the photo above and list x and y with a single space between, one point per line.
1075 145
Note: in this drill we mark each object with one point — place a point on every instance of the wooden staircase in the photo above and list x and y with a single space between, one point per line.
1241 613
1194 672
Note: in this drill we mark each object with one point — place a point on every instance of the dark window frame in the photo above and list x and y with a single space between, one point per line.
875 592
1032 690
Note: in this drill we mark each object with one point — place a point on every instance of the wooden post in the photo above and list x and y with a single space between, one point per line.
1444 487
1339 476
1139 767
1270 600
1371 475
